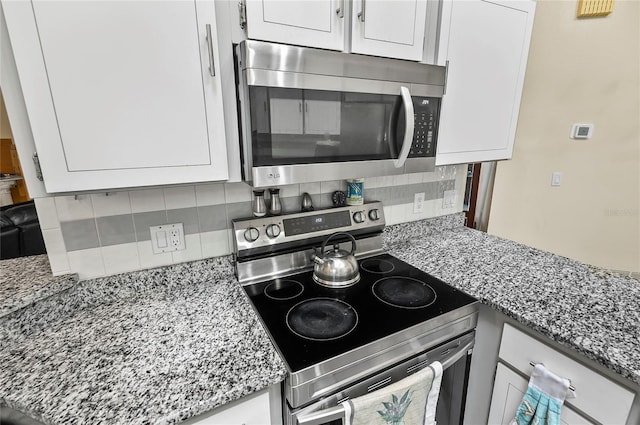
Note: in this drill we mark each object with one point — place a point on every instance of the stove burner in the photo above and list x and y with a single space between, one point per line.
283 289
404 292
374 265
322 319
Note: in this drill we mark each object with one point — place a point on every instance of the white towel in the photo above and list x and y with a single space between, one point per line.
411 401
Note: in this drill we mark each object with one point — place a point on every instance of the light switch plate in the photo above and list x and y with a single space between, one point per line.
418 203
167 238
449 198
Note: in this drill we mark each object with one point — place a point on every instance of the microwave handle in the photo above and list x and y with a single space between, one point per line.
322 416
409 127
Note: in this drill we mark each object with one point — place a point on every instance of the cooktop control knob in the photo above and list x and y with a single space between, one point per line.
251 234
359 217
273 230
374 214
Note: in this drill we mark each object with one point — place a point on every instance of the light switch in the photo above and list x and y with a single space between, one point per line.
167 238
556 178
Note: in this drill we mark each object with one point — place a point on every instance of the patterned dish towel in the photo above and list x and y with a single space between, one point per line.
542 403
411 401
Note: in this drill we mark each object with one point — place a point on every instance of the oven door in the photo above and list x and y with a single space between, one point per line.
455 357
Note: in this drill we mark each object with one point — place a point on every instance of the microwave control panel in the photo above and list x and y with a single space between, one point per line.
425 131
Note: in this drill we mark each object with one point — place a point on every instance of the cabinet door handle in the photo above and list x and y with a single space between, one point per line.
340 9
212 69
361 14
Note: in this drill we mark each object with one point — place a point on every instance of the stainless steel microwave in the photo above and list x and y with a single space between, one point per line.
311 115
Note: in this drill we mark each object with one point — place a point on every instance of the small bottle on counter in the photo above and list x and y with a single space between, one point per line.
259 206
355 191
275 207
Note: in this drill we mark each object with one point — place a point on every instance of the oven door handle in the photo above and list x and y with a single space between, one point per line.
322 416
409 127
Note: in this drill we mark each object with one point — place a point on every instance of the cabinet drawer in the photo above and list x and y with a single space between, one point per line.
597 396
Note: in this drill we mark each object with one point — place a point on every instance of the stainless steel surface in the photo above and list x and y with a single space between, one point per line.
242 14
329 409
243 247
340 9
571 387
305 173
336 268
275 207
36 163
327 377
261 55
362 10
409 125
262 269
212 66
446 76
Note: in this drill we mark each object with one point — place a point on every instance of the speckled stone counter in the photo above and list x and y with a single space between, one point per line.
26 280
587 309
151 347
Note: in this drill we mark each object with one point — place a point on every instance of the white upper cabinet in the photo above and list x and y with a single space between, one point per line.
121 93
486 44
393 29
388 28
313 23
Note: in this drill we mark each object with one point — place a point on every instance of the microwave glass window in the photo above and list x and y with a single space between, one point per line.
294 126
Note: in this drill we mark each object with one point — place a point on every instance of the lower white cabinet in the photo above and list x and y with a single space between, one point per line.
598 397
251 410
508 390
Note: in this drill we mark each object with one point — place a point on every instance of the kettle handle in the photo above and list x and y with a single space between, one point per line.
353 242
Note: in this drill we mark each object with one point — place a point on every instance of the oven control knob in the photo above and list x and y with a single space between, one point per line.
273 230
251 234
359 217
374 214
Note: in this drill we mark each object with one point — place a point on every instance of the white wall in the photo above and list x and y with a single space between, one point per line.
579 71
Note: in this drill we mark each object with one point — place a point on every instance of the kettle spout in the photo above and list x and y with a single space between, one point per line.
317 259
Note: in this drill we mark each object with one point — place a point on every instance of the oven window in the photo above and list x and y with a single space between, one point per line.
294 126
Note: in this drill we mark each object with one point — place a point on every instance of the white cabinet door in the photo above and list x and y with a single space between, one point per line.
508 390
313 23
120 93
251 410
394 29
486 44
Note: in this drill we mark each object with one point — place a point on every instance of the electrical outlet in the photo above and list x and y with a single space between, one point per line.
418 203
449 198
167 238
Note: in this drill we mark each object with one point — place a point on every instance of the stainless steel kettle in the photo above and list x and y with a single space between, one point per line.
336 268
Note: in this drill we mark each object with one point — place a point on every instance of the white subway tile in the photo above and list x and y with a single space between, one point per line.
72 207
120 258
415 178
179 197
215 244
146 200
385 181
111 203
289 190
47 214
88 263
371 182
310 188
56 250
428 177
210 194
237 192
192 251
332 185
149 260
401 180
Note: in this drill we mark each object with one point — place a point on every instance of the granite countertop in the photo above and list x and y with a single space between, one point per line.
150 347
26 280
590 310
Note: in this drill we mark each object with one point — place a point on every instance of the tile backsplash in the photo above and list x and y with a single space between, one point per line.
102 234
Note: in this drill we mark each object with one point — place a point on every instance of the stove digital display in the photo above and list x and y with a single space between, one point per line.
314 223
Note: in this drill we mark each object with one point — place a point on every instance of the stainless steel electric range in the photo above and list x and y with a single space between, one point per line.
341 343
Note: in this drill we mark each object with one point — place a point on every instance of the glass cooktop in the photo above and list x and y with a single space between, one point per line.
310 323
